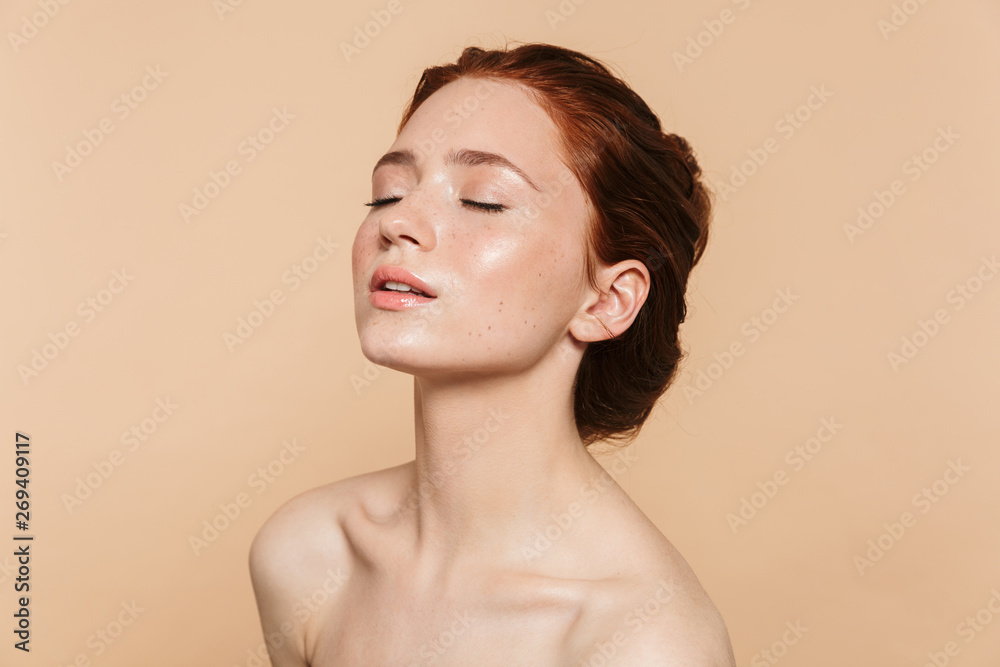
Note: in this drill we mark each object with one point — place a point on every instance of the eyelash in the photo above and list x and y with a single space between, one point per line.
482 206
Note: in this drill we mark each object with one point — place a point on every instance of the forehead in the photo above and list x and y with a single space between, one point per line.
486 115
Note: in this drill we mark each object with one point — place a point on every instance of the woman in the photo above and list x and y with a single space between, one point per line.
525 258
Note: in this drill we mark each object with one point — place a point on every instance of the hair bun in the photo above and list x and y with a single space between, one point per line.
683 149
698 196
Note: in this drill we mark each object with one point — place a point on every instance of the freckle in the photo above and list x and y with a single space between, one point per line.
488 328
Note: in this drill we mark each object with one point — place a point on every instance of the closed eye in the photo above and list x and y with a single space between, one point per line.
375 203
482 206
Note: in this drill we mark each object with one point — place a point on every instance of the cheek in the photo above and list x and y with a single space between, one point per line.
528 280
363 248
498 257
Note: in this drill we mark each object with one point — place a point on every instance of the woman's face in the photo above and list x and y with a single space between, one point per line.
479 208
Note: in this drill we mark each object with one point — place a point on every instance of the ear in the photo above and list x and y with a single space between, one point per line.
609 312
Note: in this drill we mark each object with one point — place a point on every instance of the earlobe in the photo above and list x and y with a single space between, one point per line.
603 325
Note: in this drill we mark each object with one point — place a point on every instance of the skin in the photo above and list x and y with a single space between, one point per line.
447 559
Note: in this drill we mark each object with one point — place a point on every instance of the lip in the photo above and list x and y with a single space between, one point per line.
397 300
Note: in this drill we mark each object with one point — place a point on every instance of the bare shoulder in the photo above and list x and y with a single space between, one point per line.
688 631
649 607
301 557
662 618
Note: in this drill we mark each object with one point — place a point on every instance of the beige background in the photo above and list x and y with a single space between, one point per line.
62 237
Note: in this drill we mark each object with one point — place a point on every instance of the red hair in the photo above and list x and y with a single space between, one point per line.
649 204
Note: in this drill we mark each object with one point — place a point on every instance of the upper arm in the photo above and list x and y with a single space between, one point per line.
291 561
283 633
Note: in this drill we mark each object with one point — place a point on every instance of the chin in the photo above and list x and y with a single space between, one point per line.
392 354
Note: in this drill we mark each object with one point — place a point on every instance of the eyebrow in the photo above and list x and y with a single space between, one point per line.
465 157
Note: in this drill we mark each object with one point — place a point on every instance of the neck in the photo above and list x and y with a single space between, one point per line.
496 456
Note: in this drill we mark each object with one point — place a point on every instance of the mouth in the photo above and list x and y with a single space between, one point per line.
394 279
402 288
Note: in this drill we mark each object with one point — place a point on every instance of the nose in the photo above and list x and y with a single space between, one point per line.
406 223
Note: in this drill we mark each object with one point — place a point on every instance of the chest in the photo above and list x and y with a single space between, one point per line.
382 630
